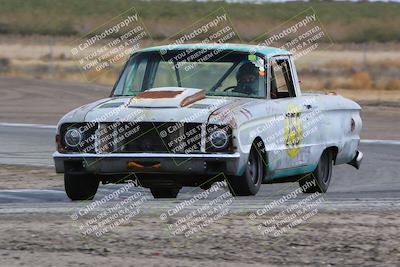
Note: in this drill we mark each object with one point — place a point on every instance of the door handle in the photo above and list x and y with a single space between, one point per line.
308 106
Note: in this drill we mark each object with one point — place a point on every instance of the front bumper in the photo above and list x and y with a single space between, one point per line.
166 163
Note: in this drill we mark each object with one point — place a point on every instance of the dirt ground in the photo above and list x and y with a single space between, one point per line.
329 239
20 176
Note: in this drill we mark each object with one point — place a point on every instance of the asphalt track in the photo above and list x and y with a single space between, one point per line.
376 186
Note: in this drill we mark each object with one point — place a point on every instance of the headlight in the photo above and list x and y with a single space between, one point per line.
73 137
219 139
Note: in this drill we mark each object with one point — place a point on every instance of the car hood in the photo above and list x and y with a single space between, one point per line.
191 106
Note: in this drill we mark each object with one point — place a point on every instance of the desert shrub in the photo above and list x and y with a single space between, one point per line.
393 85
361 80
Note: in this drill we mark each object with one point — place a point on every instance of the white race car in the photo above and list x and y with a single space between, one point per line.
194 114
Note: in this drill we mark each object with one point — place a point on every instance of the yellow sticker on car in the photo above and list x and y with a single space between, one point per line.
293 130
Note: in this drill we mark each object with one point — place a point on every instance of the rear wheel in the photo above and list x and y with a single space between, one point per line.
321 175
81 186
249 183
164 192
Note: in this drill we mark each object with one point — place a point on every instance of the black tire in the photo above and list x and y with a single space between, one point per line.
81 187
322 175
249 183
158 192
207 185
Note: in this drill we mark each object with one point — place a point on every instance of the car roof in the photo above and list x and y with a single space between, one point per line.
265 50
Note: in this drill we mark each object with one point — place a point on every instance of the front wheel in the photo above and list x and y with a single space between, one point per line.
81 186
249 183
319 179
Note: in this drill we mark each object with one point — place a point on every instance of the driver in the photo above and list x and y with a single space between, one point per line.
247 79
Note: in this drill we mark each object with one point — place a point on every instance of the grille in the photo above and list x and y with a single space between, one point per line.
130 137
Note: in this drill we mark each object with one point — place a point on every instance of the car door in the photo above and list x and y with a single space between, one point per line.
291 153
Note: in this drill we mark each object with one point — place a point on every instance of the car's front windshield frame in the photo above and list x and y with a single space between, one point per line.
227 56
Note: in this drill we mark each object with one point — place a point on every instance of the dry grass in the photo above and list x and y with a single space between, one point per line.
361 80
393 85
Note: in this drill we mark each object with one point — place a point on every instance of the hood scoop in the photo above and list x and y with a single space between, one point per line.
167 97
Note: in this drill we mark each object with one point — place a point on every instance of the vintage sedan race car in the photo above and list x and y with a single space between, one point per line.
190 115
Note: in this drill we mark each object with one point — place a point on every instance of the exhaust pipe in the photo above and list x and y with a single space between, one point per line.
356 161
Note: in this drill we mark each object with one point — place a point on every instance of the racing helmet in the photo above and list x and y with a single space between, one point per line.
247 78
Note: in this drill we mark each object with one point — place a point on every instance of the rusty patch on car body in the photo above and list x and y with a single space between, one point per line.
193 98
158 94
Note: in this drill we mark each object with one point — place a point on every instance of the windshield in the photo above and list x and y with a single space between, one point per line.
222 74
